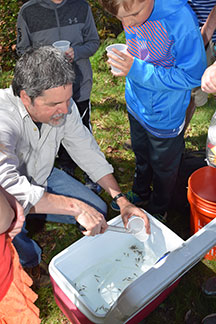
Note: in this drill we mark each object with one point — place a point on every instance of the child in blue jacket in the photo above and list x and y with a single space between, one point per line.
165 60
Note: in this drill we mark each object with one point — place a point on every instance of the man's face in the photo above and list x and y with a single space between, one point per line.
137 14
50 108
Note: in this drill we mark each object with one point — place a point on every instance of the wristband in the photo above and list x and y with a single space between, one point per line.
118 196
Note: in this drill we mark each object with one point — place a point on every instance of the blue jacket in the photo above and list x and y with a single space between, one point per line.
169 60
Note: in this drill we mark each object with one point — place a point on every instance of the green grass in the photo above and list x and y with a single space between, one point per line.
111 130
195 137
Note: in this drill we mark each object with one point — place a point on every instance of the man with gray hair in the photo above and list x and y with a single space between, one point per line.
37 114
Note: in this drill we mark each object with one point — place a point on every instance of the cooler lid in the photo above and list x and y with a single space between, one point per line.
149 285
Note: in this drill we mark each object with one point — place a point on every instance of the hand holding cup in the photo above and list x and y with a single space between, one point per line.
64 46
120 59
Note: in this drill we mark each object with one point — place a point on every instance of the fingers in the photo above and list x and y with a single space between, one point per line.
93 221
97 229
131 210
208 82
209 87
147 224
15 228
113 59
122 62
70 54
19 212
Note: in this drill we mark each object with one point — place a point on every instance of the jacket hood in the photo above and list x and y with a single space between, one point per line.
163 8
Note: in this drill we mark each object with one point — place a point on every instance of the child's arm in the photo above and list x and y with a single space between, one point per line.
91 39
185 74
11 214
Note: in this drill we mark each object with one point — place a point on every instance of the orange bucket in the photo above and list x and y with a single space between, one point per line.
202 198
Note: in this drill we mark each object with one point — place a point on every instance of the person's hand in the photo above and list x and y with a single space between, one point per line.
17 223
93 221
129 210
208 82
123 63
70 54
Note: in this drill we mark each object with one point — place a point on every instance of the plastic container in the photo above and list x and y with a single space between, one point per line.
137 226
62 45
202 199
119 47
211 142
130 277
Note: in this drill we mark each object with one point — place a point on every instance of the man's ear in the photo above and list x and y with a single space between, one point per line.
26 100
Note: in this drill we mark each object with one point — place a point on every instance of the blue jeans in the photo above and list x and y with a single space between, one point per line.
59 183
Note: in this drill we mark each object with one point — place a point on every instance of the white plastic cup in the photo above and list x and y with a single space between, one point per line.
120 47
137 227
62 45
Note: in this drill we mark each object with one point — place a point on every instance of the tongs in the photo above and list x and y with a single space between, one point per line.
113 228
120 229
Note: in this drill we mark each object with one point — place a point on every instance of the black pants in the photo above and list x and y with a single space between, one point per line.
64 159
157 164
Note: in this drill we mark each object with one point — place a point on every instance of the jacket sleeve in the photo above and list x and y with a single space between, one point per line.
189 65
23 37
91 39
83 148
10 179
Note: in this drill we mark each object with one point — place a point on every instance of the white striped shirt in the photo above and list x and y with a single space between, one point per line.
202 8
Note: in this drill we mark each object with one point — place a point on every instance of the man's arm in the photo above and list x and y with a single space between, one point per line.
209 27
85 215
109 183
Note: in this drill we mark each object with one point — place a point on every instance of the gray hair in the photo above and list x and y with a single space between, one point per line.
41 69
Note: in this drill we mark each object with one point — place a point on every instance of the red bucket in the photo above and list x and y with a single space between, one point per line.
202 198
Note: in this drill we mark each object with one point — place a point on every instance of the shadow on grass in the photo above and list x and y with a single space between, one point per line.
108 105
196 142
186 298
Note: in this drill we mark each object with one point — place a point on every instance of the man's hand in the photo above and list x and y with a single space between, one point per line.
131 210
128 210
123 63
93 221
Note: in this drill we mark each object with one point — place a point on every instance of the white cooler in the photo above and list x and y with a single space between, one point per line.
114 278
